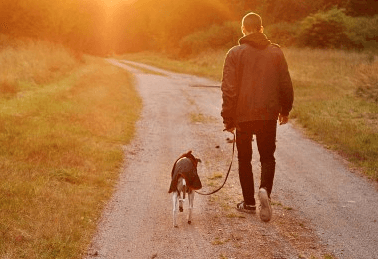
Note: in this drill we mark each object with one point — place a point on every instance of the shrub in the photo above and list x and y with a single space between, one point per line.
214 37
282 33
326 29
363 31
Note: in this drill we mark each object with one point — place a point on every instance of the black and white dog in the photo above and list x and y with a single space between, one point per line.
184 180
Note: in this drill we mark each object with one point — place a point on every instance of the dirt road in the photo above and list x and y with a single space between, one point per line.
320 208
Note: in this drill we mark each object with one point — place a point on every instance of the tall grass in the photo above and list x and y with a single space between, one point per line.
61 149
335 96
25 64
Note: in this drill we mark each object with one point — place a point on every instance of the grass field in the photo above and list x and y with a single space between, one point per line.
336 96
63 122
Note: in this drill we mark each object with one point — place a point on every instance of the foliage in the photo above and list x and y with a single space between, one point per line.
291 11
77 24
283 34
362 7
101 27
325 30
214 37
363 31
335 29
163 24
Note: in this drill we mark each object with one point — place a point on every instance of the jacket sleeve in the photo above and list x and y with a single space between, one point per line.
286 88
229 91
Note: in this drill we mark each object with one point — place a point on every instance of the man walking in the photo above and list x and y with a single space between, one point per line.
256 91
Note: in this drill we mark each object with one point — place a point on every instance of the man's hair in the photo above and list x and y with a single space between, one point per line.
252 22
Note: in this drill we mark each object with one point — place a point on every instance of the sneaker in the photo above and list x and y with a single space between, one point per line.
251 209
265 208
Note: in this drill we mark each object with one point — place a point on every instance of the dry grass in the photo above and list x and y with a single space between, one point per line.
335 96
31 64
326 83
367 81
62 135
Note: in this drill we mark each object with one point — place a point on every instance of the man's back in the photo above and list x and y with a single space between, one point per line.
257 80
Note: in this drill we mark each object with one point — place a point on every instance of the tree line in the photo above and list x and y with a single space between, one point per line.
186 26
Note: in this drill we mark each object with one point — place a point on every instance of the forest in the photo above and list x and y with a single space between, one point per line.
180 28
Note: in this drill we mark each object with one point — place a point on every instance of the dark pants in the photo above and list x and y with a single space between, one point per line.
265 132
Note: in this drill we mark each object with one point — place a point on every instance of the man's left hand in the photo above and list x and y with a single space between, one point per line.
232 129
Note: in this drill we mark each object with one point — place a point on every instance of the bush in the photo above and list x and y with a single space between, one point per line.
282 33
363 31
326 29
214 37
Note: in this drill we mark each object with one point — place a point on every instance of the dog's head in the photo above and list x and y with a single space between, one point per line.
189 155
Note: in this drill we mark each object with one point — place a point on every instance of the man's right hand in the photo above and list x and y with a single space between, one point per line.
283 119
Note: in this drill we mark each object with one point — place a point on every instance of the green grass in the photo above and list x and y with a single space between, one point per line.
335 96
328 107
60 153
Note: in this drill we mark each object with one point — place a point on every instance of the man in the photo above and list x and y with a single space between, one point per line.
256 91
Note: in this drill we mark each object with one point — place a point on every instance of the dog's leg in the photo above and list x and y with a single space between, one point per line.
175 209
191 200
181 187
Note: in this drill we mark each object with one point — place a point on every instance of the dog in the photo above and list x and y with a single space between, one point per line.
184 180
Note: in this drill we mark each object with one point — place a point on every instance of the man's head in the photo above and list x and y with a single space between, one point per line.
251 23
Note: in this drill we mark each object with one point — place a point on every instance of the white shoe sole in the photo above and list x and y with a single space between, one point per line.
266 209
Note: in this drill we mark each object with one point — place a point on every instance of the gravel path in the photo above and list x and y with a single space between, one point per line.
320 208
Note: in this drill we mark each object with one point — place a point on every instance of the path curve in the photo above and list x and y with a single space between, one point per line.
339 206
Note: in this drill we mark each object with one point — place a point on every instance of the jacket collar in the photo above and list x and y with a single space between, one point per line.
257 40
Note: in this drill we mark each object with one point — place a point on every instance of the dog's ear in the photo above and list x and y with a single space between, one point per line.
198 160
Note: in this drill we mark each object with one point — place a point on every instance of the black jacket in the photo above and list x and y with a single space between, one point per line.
256 83
185 166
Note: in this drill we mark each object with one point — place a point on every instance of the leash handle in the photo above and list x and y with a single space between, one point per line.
228 172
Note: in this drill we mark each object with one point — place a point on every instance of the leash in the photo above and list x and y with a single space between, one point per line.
228 172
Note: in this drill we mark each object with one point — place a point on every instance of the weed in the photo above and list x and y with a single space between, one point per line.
234 215
276 203
211 183
219 241
200 118
216 175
